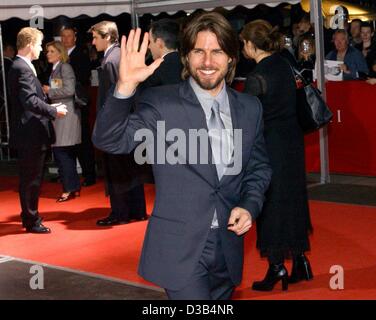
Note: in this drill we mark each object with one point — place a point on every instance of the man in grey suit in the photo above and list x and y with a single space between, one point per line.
193 245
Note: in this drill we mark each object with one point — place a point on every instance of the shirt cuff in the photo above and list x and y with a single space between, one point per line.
118 95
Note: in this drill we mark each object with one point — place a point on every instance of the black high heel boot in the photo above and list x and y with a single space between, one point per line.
301 269
276 272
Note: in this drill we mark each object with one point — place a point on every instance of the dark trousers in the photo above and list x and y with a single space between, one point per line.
211 279
85 150
31 162
65 158
128 205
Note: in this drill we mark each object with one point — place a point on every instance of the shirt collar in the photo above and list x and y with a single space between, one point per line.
55 65
70 50
168 53
206 99
105 52
27 60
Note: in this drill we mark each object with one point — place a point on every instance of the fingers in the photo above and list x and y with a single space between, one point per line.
145 43
130 41
136 40
240 221
239 224
246 227
132 45
234 218
156 64
123 47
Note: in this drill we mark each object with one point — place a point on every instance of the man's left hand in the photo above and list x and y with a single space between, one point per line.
240 221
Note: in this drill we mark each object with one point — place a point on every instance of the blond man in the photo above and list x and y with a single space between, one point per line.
31 129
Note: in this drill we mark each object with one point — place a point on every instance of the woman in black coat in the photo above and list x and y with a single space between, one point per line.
284 224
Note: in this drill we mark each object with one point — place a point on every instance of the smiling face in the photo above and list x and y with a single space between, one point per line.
366 34
208 63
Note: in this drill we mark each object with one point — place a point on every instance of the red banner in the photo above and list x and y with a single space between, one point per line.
352 132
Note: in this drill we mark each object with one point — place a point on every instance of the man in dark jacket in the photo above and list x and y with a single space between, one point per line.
31 128
127 196
164 43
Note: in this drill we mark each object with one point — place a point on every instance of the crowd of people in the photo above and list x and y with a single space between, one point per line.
193 245
353 46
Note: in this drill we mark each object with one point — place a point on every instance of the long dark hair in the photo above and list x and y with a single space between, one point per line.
262 35
226 36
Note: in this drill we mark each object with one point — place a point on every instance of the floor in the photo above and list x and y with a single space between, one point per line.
17 282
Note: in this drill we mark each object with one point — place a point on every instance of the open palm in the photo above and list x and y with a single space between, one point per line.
132 69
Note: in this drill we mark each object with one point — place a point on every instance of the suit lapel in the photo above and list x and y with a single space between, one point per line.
196 120
58 69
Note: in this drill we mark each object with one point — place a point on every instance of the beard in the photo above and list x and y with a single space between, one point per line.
207 84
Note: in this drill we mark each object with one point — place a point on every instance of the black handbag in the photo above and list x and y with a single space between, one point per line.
312 111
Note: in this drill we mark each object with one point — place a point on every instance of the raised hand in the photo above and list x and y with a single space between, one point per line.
132 69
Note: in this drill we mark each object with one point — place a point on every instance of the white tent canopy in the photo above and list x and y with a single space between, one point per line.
23 9
172 6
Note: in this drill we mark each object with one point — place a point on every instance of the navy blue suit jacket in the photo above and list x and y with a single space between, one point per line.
187 194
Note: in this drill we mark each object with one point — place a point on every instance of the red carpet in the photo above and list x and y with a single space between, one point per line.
344 235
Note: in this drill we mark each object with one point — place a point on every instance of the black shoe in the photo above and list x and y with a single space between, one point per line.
38 228
55 179
301 269
68 196
88 182
144 218
276 272
110 221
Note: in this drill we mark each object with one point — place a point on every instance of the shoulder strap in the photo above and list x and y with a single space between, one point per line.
299 75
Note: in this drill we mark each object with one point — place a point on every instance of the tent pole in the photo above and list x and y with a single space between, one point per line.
134 15
4 144
316 17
